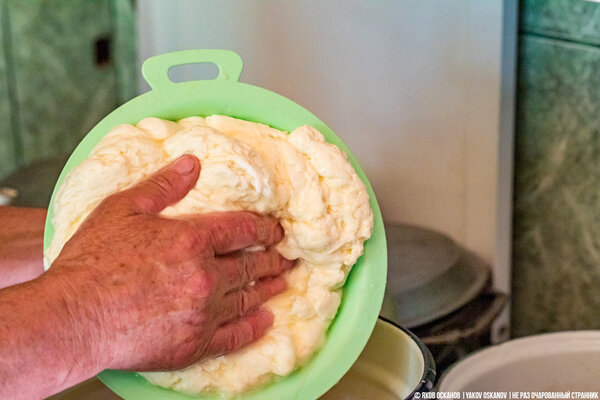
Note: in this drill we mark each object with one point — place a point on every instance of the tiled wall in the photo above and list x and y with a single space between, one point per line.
56 81
556 262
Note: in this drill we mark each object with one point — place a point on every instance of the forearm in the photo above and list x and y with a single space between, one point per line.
21 244
46 344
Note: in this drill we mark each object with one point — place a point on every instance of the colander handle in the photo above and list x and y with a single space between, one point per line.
155 69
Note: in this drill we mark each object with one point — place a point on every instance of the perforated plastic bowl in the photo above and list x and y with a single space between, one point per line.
363 292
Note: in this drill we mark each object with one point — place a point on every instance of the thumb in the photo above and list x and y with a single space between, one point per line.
165 187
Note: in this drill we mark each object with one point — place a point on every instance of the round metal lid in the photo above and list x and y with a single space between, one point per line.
417 255
429 275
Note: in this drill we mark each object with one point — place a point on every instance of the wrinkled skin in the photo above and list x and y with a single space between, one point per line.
21 243
134 290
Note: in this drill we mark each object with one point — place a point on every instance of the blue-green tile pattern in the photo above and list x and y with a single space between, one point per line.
575 20
7 146
556 252
124 48
59 90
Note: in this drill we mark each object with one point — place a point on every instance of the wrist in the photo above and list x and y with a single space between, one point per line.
78 309
43 341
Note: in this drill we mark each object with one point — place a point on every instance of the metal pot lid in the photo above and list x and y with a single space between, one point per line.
417 255
441 296
429 275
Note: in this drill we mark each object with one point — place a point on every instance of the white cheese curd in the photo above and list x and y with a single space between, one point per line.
307 183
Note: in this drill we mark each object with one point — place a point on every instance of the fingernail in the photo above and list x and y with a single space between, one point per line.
184 165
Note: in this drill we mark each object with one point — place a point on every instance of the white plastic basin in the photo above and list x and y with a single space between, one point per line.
553 362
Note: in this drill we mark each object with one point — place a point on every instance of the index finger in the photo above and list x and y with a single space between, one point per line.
232 231
237 270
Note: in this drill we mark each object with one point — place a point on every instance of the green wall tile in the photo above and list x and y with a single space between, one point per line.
125 49
556 255
8 159
62 92
576 20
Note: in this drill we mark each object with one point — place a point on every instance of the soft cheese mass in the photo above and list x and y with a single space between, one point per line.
305 182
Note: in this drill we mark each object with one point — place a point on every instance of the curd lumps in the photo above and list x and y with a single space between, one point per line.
307 183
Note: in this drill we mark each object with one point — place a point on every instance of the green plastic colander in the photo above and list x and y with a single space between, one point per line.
363 292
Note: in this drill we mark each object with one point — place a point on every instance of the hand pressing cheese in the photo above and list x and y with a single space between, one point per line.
306 183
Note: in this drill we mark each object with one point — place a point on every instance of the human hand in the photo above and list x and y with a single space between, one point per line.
21 244
159 293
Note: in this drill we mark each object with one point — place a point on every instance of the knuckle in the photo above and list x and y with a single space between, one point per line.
191 240
243 302
200 243
204 284
252 331
185 240
252 226
197 320
247 266
161 184
276 262
222 234
234 341
198 239
208 284
176 248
